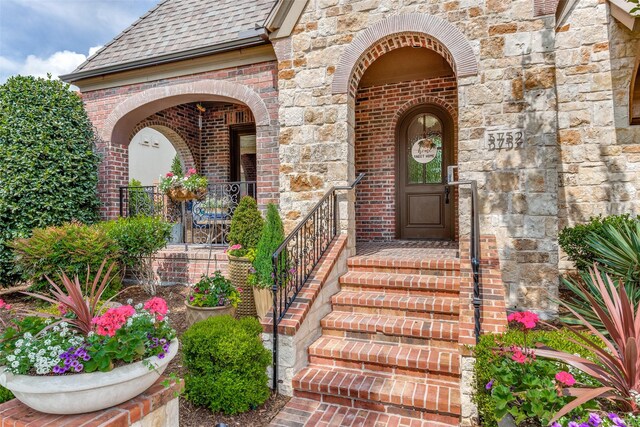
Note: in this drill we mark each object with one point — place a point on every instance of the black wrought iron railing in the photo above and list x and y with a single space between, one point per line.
474 250
203 221
299 254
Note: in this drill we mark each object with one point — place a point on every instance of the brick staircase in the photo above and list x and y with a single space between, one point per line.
388 353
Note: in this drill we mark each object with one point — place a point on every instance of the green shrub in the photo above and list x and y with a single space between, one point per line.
574 240
176 166
246 226
49 167
5 395
226 363
69 248
138 239
487 361
271 238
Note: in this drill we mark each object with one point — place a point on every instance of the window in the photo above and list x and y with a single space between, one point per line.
634 95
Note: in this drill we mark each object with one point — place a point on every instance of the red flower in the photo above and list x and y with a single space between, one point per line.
157 306
113 319
527 319
565 378
169 174
191 171
519 356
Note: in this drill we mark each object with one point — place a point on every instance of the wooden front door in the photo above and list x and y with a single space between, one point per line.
425 149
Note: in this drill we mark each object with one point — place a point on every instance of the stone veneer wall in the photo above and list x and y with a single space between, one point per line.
600 152
375 148
514 88
254 85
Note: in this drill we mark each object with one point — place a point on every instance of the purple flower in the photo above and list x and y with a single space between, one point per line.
585 425
594 419
79 367
616 420
489 385
573 424
556 424
161 356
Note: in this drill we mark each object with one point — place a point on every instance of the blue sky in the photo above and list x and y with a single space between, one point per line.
40 36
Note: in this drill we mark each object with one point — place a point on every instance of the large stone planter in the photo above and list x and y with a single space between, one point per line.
264 301
238 273
77 394
198 314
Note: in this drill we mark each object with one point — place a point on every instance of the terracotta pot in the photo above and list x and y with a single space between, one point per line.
88 392
238 273
264 301
197 314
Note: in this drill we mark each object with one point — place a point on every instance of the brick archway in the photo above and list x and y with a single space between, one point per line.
131 111
174 137
401 31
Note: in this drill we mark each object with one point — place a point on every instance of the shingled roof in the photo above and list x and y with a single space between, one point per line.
175 26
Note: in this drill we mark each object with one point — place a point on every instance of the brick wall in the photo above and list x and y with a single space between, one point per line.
257 84
377 110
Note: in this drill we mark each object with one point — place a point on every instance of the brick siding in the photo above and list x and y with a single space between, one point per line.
377 109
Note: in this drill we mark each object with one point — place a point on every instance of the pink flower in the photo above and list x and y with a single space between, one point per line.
565 378
62 309
157 306
234 247
518 356
4 305
191 171
112 320
169 174
527 319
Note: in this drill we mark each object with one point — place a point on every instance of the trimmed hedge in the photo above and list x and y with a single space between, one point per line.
49 167
227 364
271 238
5 395
246 224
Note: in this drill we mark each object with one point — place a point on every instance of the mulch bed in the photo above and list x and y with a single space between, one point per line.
190 415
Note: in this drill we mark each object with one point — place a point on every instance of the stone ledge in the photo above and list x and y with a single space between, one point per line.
158 407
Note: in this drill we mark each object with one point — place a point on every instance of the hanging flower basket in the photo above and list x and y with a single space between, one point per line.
181 194
179 188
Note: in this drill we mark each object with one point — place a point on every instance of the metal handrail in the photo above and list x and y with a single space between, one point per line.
299 254
474 249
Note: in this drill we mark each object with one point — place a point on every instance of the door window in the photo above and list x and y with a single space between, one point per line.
424 150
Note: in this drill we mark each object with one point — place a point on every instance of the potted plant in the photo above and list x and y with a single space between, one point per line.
212 296
244 233
86 358
261 277
181 188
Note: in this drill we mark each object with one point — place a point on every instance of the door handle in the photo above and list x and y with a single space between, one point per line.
447 190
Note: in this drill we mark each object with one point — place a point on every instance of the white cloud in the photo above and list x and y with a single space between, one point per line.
58 63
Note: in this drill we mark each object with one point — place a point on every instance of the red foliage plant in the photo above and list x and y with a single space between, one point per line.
617 366
84 307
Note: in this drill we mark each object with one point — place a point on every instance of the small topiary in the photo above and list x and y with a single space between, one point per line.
69 248
246 226
176 166
227 364
271 238
574 240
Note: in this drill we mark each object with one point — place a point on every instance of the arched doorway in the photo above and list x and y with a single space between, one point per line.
424 203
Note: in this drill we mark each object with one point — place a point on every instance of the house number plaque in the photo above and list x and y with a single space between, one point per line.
504 139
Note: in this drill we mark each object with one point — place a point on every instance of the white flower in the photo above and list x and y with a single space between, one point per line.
15 364
19 343
11 358
17 351
139 306
129 301
47 342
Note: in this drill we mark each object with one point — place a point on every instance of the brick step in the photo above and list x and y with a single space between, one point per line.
399 359
398 283
301 412
423 307
376 327
446 267
434 400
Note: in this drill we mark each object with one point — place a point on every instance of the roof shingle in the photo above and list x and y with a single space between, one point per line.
175 26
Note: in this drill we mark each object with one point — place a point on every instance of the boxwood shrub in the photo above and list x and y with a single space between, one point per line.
5 395
227 364
49 167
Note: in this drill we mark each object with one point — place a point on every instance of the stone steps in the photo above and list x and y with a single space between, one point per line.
376 302
385 357
379 392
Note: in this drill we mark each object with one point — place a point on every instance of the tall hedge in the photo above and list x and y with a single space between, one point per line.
48 166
